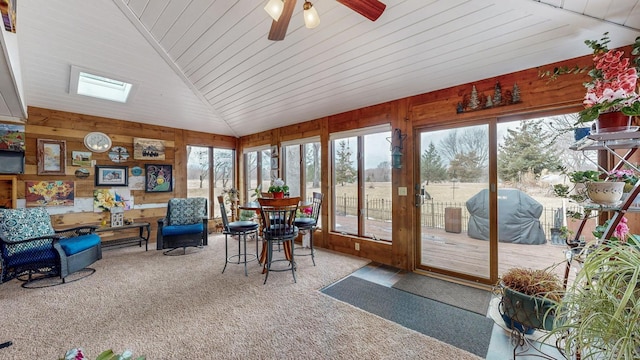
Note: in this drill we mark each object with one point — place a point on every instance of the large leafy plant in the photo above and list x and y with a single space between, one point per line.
600 313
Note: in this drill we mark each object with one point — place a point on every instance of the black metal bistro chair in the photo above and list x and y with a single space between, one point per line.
278 216
310 223
240 229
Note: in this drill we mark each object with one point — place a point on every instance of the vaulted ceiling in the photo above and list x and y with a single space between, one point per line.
207 65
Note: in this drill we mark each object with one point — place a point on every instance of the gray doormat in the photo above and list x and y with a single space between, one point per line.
465 297
458 327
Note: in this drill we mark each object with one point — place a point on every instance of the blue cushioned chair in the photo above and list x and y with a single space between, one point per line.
32 250
185 225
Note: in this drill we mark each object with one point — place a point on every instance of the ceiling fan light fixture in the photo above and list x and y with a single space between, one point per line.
311 18
274 8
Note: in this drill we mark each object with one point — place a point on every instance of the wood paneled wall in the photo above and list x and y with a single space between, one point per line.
539 97
71 127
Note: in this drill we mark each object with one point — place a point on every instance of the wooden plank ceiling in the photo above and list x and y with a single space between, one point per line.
207 65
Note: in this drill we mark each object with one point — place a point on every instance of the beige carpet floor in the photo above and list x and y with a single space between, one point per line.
182 307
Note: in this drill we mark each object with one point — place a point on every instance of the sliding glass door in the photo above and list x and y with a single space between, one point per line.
488 202
454 218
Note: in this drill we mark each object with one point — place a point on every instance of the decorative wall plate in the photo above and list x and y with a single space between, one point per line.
82 173
136 171
97 141
118 154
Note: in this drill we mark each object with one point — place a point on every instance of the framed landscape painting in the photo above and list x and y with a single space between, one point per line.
51 157
112 175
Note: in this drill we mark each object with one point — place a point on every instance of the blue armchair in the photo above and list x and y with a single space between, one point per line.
32 250
185 225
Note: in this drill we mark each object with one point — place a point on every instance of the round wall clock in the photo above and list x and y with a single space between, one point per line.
97 141
118 154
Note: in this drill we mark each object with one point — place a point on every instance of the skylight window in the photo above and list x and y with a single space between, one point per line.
97 86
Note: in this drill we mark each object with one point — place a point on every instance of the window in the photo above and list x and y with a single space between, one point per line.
210 171
302 172
83 82
362 183
301 167
257 166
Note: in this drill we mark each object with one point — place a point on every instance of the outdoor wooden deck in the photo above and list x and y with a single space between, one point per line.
460 253
471 256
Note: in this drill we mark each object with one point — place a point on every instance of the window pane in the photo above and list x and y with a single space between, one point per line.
251 169
529 153
377 189
292 169
454 218
223 174
266 169
345 171
198 172
312 170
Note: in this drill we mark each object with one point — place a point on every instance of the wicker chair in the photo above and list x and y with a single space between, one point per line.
185 225
32 250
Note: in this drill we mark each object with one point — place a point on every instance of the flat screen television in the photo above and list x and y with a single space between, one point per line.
11 162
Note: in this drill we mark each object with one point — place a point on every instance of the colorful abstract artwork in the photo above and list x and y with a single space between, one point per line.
159 178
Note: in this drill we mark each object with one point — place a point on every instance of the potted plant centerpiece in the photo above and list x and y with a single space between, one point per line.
278 188
529 297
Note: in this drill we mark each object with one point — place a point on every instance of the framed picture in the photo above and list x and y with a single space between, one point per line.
12 137
159 178
49 193
148 149
51 157
81 158
112 175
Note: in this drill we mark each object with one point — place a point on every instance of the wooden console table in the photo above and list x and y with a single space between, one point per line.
110 238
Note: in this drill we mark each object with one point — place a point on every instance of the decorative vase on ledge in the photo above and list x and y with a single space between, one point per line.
614 121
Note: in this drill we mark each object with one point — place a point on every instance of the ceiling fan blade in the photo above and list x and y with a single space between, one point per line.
371 9
279 28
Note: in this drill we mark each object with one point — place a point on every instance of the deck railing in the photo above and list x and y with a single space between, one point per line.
432 213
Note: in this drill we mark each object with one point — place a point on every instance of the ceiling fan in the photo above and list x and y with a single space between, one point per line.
283 9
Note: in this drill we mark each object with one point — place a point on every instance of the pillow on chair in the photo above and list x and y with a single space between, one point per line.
186 211
20 224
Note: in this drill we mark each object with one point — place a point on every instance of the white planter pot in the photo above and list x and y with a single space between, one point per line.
605 192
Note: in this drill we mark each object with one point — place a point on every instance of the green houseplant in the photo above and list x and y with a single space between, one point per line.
599 187
600 314
578 178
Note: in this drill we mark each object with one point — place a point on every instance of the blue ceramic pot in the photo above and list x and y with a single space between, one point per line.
579 133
